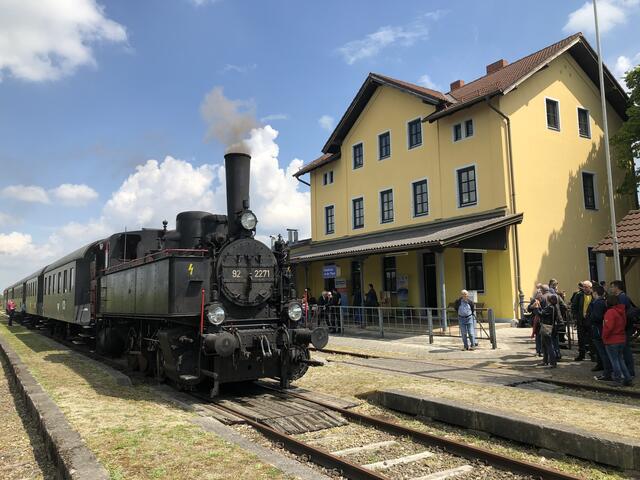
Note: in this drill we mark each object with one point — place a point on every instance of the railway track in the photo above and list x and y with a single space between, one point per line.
603 389
394 452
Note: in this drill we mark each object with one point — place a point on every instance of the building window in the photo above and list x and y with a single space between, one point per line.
584 127
463 130
468 128
457 132
467 192
329 219
420 198
384 145
327 177
389 274
553 114
415 133
386 206
589 189
593 265
358 212
473 271
358 155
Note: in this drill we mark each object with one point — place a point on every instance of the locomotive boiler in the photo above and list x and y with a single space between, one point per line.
202 305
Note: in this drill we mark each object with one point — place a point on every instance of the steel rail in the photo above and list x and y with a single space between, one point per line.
457 448
316 455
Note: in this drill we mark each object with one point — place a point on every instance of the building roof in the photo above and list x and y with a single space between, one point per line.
507 78
317 163
436 235
499 82
628 230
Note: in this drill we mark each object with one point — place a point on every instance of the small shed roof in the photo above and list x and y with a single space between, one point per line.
628 230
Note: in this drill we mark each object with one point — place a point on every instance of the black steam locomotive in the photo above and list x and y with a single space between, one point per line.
201 305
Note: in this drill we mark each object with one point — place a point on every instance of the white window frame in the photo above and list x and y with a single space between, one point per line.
578 108
409 147
326 176
324 214
363 212
456 170
393 196
353 167
463 130
378 146
595 190
559 116
413 200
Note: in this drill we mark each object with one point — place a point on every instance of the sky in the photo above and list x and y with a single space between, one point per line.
117 113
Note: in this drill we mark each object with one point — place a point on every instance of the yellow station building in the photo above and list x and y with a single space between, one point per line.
497 184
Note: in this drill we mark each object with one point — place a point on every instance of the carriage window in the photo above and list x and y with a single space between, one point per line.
64 283
59 282
71 278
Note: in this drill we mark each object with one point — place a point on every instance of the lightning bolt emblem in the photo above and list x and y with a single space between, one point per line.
190 269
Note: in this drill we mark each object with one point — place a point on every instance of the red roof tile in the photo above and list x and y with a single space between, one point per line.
628 230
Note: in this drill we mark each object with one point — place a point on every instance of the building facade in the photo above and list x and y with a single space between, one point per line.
492 186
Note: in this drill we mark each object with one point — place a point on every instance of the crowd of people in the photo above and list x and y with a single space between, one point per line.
604 318
333 298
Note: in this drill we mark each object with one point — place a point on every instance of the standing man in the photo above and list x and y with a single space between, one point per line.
466 313
617 288
597 309
11 307
370 300
579 306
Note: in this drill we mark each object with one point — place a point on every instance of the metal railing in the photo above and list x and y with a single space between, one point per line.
379 321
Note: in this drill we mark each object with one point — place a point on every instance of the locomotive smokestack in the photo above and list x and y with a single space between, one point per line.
238 169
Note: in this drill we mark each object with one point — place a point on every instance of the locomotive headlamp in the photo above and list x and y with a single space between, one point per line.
295 311
248 220
216 314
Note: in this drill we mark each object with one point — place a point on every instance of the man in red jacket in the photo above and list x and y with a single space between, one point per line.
614 338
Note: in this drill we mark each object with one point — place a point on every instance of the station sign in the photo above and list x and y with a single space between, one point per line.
330 271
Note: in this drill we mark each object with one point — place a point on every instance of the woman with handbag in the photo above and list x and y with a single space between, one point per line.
549 318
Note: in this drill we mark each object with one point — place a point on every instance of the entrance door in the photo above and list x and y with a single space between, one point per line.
430 280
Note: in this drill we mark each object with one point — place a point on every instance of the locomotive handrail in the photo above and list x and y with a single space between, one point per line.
196 252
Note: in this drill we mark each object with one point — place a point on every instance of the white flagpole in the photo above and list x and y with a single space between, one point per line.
612 208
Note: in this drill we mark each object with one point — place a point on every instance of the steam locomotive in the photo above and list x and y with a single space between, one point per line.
202 305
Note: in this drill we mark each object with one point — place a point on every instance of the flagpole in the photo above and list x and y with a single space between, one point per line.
605 125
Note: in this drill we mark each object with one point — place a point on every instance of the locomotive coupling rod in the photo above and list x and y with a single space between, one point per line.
316 455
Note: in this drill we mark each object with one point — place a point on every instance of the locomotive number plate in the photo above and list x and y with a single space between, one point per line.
254 272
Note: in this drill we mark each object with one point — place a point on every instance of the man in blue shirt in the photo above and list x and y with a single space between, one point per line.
466 314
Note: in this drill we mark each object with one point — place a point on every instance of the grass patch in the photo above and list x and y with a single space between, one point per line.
349 380
134 434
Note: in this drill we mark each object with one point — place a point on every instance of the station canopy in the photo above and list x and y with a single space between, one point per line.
486 231
628 230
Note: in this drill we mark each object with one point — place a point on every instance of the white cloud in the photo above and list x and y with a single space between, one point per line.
48 39
74 195
15 243
26 193
326 122
425 81
274 116
230 67
611 13
200 3
384 37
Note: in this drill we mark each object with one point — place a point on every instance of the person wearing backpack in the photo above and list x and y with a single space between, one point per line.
613 336
633 314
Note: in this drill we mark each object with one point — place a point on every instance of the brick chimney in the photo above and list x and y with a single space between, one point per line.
456 85
495 66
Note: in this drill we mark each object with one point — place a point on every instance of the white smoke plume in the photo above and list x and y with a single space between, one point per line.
228 121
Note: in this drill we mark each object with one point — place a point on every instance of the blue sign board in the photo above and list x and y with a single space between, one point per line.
330 271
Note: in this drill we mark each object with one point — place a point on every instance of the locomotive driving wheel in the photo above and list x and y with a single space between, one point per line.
298 367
